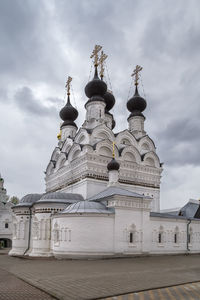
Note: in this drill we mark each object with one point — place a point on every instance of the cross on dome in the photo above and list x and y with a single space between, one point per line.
94 54
101 62
67 85
136 73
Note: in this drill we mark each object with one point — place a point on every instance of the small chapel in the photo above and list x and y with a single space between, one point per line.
102 195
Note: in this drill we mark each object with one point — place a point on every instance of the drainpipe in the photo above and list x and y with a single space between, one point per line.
29 232
189 221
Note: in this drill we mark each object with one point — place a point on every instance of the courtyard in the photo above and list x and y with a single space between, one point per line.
93 279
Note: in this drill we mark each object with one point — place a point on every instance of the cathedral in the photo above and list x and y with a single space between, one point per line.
102 194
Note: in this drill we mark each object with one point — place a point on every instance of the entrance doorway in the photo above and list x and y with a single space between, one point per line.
5 243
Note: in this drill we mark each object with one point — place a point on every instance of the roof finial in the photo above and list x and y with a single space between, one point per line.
59 135
113 153
136 74
101 62
67 86
94 54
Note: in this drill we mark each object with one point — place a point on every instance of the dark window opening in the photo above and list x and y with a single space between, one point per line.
6 225
159 238
131 237
175 238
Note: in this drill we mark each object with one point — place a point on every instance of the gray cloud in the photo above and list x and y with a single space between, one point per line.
42 42
25 100
179 142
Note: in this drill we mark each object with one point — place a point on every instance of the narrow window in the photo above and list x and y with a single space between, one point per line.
159 238
175 238
131 238
189 238
6 225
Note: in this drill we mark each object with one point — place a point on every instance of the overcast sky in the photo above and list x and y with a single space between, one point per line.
44 41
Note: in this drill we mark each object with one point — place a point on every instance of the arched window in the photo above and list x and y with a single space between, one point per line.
56 235
131 237
190 235
132 234
176 235
159 238
175 238
161 235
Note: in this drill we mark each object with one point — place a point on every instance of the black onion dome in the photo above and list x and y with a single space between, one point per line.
68 114
95 86
136 105
113 165
110 100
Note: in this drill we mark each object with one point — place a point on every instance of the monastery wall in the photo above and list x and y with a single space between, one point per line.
170 236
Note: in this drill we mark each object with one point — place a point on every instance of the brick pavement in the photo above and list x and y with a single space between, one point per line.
94 279
13 288
189 291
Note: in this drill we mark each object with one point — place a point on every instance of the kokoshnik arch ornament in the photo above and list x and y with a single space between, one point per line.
80 159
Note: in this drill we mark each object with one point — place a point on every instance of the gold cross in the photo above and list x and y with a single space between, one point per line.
94 54
136 74
101 62
113 154
67 86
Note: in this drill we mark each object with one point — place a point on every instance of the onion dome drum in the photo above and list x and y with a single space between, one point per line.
113 165
68 114
136 105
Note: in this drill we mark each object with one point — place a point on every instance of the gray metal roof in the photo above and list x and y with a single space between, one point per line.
110 191
60 197
189 210
166 215
169 216
87 207
29 199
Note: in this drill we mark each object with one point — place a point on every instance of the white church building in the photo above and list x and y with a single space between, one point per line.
103 188
5 218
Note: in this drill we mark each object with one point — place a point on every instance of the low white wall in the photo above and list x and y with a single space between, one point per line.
168 228
20 231
82 235
41 228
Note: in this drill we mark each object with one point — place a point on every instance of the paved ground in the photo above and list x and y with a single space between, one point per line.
12 288
181 292
95 279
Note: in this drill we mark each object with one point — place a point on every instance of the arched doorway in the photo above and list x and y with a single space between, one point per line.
5 243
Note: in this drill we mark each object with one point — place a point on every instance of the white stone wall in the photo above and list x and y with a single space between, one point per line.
87 187
6 221
131 218
95 114
68 131
41 228
167 228
136 126
20 231
82 235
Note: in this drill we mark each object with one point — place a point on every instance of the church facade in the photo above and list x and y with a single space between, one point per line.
5 218
103 188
